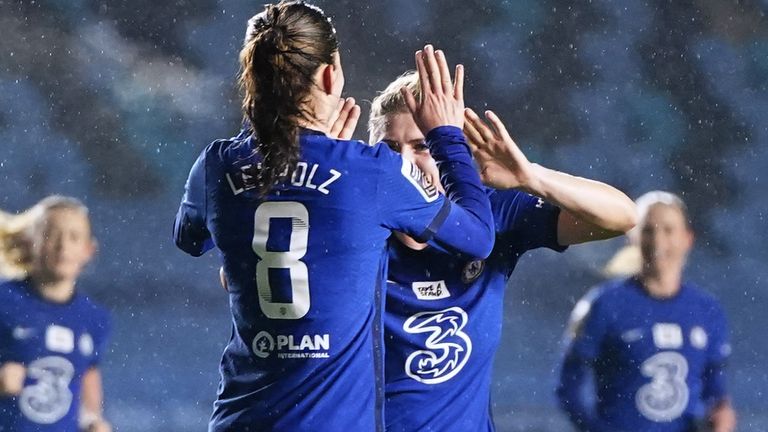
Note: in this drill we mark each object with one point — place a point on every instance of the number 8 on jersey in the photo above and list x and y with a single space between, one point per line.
290 259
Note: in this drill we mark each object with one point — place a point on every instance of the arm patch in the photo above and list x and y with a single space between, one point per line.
421 182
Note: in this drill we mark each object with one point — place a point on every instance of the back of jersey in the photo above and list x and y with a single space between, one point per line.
304 268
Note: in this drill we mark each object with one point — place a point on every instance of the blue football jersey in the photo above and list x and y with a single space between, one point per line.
305 267
443 320
657 363
57 343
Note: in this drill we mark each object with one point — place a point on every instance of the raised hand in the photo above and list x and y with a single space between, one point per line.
344 119
441 102
501 163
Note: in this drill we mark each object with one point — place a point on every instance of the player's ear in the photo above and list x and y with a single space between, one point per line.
691 239
91 249
332 76
328 78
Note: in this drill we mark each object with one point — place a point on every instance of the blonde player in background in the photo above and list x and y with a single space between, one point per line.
51 335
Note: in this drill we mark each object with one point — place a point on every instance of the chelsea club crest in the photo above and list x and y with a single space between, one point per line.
472 271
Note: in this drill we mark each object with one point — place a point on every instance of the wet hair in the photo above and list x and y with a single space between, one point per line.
628 260
18 231
390 102
284 46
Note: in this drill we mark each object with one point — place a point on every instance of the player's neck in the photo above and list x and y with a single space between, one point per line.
320 110
661 284
52 289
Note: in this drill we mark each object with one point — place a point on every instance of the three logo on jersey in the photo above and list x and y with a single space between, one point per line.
49 398
290 346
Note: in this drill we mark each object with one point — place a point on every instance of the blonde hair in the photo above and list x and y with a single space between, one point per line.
628 260
390 102
17 233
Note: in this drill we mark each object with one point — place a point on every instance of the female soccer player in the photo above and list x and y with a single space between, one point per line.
444 311
656 345
51 336
302 220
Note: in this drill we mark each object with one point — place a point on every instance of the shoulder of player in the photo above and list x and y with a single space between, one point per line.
500 199
610 292
11 289
365 152
97 312
236 148
705 299
501 196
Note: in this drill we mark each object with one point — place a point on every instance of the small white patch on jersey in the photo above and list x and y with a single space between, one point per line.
472 271
430 290
21 333
85 344
632 335
539 203
59 339
667 336
419 181
699 338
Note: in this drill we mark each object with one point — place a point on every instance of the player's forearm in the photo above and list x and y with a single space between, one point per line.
92 395
723 417
469 226
591 201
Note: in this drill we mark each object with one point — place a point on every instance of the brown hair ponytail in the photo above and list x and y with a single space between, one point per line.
284 46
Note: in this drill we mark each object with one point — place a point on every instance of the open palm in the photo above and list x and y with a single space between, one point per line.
501 163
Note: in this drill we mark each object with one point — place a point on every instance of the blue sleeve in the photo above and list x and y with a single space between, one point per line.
524 221
587 328
462 223
7 310
718 351
574 373
190 232
6 341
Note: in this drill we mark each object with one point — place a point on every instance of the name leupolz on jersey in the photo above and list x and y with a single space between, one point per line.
305 175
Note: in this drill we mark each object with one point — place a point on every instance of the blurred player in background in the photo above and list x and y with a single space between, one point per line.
302 218
444 311
656 345
51 335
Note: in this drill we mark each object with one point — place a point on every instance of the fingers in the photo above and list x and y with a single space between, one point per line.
498 126
445 74
410 101
421 68
482 129
336 111
458 84
472 134
432 68
345 120
351 123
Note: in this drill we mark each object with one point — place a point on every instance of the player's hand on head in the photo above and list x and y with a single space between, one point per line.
501 163
12 375
442 100
344 119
